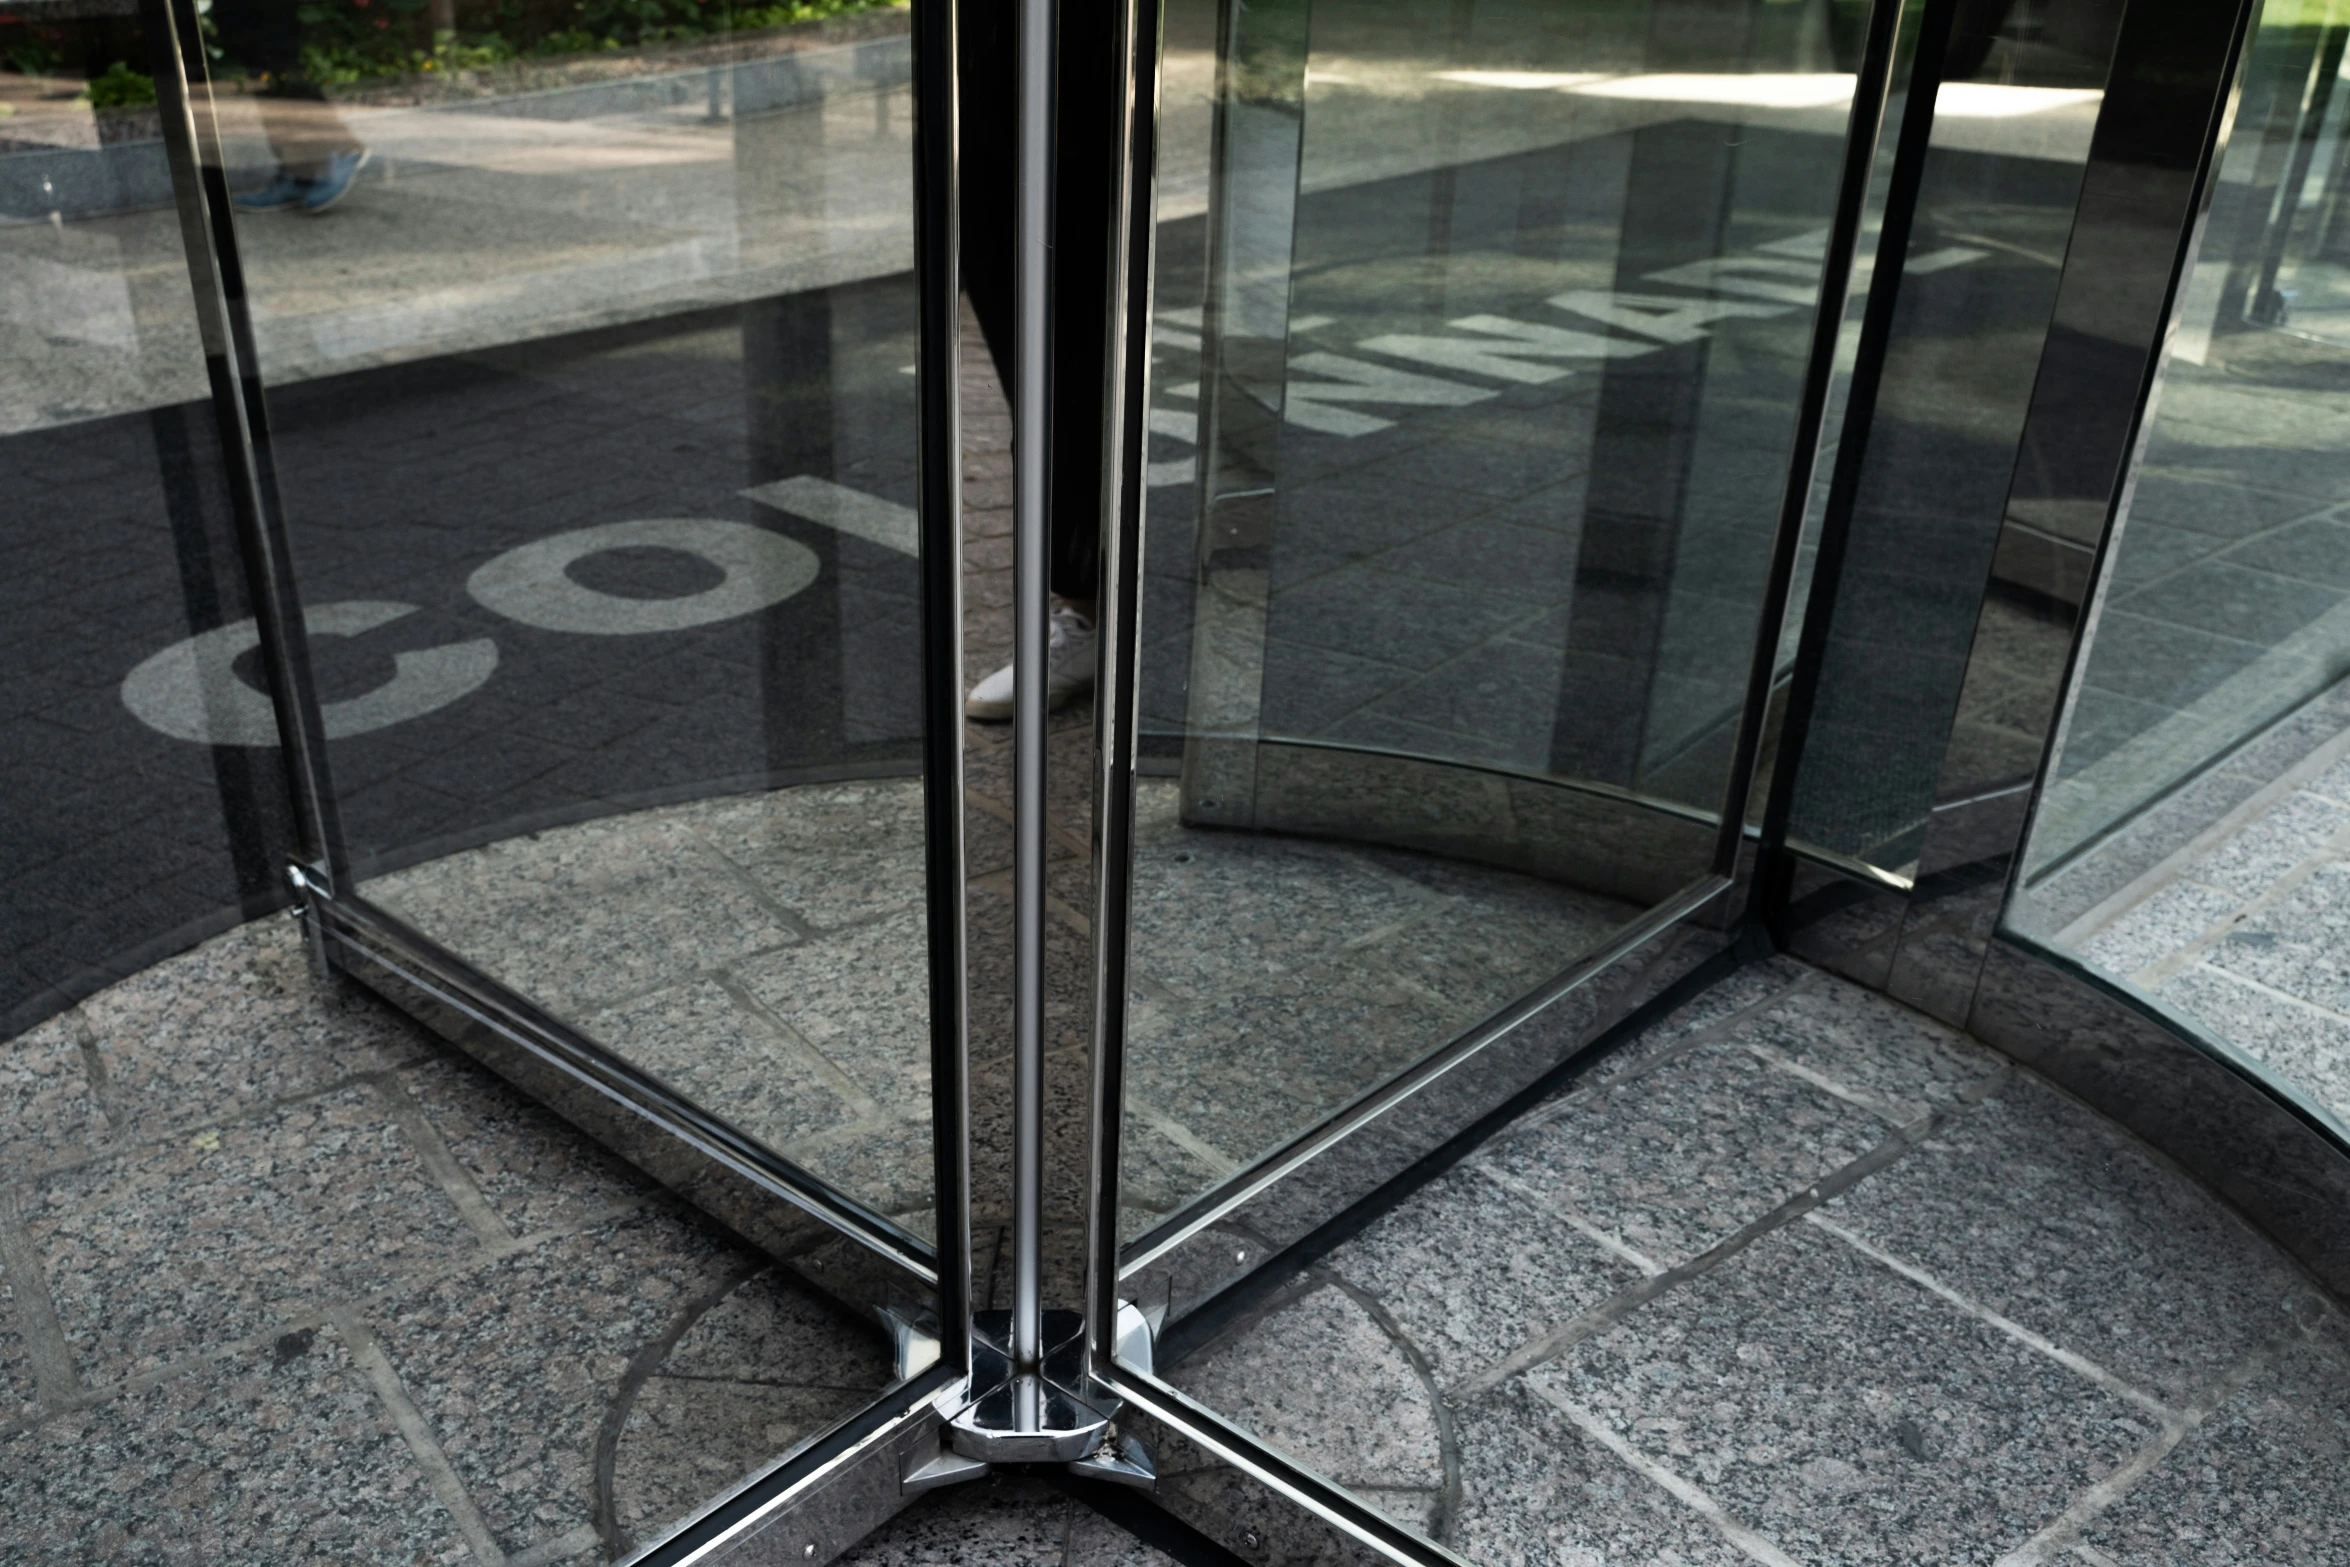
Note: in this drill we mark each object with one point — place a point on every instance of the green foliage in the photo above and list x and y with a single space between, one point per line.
345 41
120 87
37 55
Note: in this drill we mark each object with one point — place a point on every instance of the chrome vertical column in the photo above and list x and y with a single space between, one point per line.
1029 1399
1031 638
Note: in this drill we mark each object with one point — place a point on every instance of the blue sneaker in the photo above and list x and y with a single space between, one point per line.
335 183
281 192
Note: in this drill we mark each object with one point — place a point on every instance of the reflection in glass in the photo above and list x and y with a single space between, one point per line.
1970 337
125 837
2191 839
1475 380
591 410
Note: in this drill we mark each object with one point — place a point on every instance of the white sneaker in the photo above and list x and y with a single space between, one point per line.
1069 670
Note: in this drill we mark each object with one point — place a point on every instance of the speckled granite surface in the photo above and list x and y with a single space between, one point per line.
1802 1276
764 955
287 1282
2244 930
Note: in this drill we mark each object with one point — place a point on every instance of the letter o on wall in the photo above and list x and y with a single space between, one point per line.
191 690
531 583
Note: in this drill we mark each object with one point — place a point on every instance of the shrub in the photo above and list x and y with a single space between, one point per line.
120 87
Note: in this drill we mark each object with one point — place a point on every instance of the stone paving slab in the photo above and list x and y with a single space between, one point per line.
365 1305
1936 1311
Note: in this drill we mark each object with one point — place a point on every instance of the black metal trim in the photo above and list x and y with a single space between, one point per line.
2215 145
1333 1504
1862 133
724 1521
1775 873
939 477
199 179
1133 276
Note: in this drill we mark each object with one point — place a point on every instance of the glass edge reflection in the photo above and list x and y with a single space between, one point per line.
1377 1102
360 930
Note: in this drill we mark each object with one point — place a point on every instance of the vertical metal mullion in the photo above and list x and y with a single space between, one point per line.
2219 132
1861 138
191 140
1868 373
939 480
1031 632
1134 209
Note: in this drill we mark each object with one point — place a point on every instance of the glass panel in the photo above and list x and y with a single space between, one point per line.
589 368
2189 842
122 841
1472 428
1970 340
1472 418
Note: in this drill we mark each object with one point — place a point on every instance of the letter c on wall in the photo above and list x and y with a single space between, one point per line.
191 690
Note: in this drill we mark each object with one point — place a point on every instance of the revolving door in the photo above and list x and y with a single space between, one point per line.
1466 401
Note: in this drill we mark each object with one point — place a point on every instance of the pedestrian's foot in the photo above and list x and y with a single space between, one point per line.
1069 670
335 183
282 191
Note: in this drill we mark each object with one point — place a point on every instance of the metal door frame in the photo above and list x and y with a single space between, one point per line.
845 1480
1418 1120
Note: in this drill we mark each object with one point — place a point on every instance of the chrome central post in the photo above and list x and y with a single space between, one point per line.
1030 1397
1031 652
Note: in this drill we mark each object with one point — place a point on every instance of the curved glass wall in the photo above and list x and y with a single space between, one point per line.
587 407
120 844
1478 353
2190 839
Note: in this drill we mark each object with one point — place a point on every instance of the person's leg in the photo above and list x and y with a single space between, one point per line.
315 151
305 131
986 60
1086 116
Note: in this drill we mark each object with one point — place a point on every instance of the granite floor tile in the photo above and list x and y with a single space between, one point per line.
886 1161
1750 985
2299 944
862 997
514 1366
1470 1271
727 1055
49 1113
2174 917
18 1390
1842 1412
1223 913
581 916
157 1254
2306 1045
1246 1073
272 1455
756 1375
234 1025
687 1441
1538 1491
2042 1211
882 814
1674 1160
772 1329
535 1172
1322 1380
2264 1481
999 1521
2291 831
1903 1063
829 888
1094 1541
1157 1174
